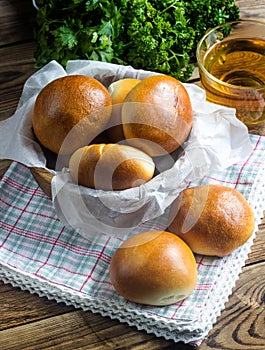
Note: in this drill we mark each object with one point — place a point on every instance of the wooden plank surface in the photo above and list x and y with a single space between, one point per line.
17 65
252 9
31 322
15 21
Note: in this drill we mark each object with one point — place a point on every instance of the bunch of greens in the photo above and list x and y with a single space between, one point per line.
154 35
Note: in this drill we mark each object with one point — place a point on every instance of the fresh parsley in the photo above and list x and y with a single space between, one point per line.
153 35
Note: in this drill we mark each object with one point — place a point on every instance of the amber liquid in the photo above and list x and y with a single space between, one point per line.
240 63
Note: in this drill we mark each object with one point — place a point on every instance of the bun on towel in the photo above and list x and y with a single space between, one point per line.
212 219
153 268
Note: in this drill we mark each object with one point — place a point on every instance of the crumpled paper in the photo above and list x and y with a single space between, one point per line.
217 140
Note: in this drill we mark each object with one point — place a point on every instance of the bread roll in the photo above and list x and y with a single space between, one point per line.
110 166
212 219
75 103
153 268
118 91
120 88
157 115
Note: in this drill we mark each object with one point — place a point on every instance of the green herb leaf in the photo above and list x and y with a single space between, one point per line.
65 36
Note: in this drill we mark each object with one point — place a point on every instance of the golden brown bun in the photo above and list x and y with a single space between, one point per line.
157 115
110 166
118 91
73 100
212 219
154 268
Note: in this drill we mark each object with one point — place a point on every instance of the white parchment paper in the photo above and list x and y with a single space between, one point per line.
217 140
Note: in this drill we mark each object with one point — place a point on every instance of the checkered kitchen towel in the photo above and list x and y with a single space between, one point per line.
39 254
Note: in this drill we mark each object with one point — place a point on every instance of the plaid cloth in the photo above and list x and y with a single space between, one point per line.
41 255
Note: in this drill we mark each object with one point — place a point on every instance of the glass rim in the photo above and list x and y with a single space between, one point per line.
205 71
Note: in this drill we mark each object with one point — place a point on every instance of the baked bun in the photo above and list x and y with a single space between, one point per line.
153 268
212 219
75 103
118 91
157 115
110 166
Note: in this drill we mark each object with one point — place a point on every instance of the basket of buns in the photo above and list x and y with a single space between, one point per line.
111 139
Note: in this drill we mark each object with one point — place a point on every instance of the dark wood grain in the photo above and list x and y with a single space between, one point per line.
28 321
241 325
16 66
16 21
30 308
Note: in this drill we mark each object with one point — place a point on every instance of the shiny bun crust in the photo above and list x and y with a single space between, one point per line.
118 91
212 219
110 166
75 103
153 268
157 115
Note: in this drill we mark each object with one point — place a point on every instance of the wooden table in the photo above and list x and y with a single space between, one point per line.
31 322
